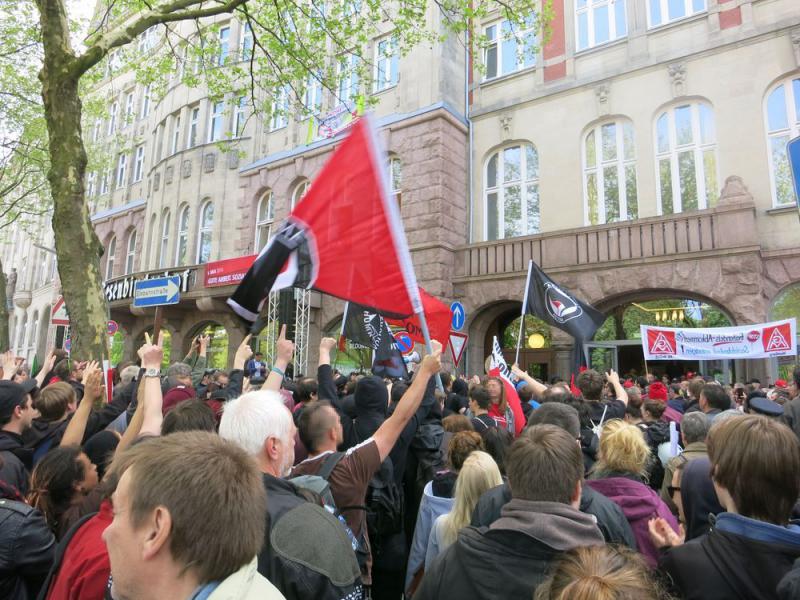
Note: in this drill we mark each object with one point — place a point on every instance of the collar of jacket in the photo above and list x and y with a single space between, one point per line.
557 525
759 531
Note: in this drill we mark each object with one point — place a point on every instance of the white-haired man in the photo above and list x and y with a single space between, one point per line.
306 553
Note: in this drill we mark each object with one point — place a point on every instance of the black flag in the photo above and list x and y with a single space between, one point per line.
553 305
369 330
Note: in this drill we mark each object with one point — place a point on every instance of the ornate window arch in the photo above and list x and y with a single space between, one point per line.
265 216
609 173
205 230
511 192
111 257
782 119
163 256
130 255
182 247
298 192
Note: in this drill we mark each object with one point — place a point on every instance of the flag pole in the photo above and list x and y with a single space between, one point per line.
522 313
427 336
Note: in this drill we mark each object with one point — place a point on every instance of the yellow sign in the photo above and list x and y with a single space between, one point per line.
536 340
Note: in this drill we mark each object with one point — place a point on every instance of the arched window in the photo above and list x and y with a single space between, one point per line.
112 252
396 178
183 236
21 330
686 158
782 114
163 258
206 226
264 218
33 337
130 256
511 193
609 173
298 193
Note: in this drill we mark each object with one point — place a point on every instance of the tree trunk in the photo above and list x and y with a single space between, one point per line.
77 246
4 341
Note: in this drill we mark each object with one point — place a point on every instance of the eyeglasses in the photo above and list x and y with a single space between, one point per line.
672 489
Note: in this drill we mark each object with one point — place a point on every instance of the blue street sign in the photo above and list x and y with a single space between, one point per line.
67 345
793 153
157 292
458 316
404 342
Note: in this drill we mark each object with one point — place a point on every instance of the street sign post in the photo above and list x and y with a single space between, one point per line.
458 342
157 292
404 342
459 316
793 154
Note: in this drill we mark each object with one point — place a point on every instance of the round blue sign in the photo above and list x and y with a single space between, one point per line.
404 342
458 316
68 344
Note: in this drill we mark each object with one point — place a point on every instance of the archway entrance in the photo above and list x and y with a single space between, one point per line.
217 352
536 355
617 343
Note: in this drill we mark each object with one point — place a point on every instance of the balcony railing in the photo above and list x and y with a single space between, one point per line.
724 227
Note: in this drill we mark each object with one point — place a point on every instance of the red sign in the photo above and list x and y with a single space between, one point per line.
661 342
777 338
59 314
227 272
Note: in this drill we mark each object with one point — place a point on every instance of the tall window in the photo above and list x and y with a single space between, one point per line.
90 179
216 121
163 257
280 106
686 157
130 256
122 166
512 193
112 254
609 174
176 133
146 101
240 116
98 126
510 47
298 193
191 140
599 21
204 232
387 59
348 79
313 99
246 49
112 118
396 178
104 182
138 165
129 97
782 109
224 45
665 11
265 216
183 237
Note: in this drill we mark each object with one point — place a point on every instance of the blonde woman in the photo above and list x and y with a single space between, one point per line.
478 474
619 474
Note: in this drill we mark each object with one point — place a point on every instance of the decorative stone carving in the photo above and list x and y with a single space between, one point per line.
209 162
505 124
156 181
233 159
677 75
795 36
169 174
735 191
601 93
23 299
186 169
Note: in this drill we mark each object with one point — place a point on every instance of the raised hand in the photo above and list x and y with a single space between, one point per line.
284 348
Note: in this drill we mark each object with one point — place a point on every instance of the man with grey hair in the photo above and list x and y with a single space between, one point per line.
694 429
306 552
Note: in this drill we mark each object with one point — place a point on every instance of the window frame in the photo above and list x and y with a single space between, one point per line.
279 118
224 45
176 133
163 255
122 170
347 84
112 118
266 222
204 231
500 186
111 257
590 9
239 116
313 94
297 194
246 50
216 118
192 131
129 106
148 89
620 161
138 164
392 59
497 44
697 146
130 255
791 105
664 10
396 174
183 223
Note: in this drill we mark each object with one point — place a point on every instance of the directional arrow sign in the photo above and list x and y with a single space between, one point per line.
459 315
157 292
458 341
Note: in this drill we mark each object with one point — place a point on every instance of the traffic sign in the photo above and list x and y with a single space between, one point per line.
157 292
793 154
458 342
113 327
404 342
59 314
459 316
67 345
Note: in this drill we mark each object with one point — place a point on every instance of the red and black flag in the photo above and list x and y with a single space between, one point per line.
368 329
344 238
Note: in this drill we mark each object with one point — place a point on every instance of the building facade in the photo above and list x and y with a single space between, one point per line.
636 153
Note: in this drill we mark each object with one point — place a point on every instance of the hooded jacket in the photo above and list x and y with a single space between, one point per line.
640 504
27 548
740 559
16 461
510 558
430 508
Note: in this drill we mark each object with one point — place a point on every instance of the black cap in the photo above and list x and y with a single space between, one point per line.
763 406
11 395
30 385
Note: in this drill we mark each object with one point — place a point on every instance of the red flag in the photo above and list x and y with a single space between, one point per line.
344 238
437 316
514 403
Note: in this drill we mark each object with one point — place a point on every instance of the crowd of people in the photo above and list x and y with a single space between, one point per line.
202 484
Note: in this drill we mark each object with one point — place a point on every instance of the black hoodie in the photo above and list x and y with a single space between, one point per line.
16 461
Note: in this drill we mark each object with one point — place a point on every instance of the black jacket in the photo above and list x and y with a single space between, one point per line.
306 552
487 564
27 548
610 519
726 566
16 461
